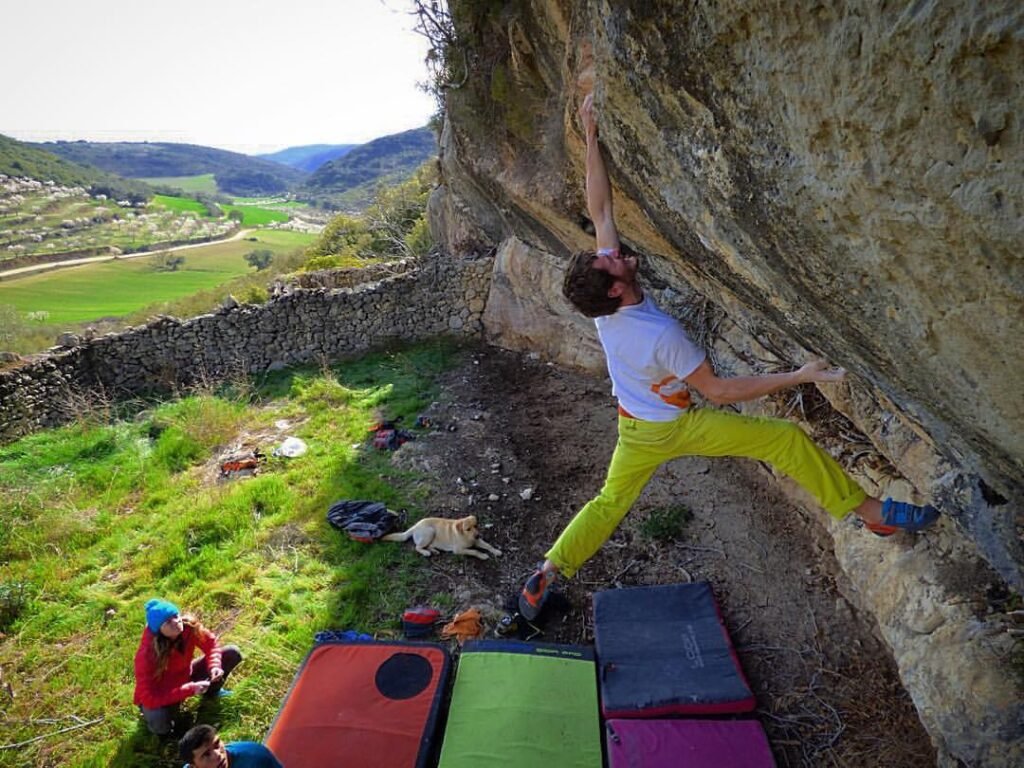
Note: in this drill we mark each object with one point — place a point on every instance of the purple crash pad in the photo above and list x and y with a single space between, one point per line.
687 744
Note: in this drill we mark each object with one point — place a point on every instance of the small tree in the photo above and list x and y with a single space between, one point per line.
168 262
260 258
10 323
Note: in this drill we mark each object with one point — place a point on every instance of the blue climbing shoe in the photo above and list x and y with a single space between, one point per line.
903 516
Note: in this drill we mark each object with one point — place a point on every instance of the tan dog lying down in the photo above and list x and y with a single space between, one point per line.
434 534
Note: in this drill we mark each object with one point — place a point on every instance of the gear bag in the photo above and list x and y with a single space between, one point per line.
364 521
388 437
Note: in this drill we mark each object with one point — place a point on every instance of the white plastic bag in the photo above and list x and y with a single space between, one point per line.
291 448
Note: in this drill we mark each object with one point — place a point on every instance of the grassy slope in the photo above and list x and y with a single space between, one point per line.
164 159
255 216
20 159
180 204
116 288
97 519
351 180
203 182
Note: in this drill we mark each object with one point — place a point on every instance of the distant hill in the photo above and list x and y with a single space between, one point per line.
349 181
235 173
309 157
18 158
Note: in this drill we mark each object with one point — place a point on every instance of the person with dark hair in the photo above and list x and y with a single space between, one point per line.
202 747
165 672
653 364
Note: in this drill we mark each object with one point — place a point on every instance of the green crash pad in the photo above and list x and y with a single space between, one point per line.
519 704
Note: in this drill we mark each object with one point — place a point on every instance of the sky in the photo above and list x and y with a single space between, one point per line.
246 75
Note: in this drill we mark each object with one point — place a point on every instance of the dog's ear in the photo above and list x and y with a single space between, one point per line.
466 524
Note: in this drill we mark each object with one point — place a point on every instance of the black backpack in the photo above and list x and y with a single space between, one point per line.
364 521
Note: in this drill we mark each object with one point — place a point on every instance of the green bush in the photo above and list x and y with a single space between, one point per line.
261 258
393 226
14 598
666 524
10 324
176 450
255 294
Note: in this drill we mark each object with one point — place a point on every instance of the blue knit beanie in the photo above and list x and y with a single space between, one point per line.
159 611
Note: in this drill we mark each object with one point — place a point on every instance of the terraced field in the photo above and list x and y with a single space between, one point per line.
40 220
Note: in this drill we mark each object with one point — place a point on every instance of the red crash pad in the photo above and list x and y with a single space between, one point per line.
362 705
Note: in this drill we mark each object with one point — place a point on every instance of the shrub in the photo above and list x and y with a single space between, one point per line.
255 294
10 323
14 599
260 258
665 524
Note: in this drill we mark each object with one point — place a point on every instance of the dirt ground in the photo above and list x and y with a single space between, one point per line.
530 445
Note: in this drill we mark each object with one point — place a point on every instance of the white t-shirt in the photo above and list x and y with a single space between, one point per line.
645 347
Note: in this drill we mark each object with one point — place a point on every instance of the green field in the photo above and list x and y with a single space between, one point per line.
285 238
98 517
202 183
180 204
256 216
117 288
273 203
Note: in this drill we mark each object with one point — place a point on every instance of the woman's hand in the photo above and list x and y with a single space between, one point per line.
202 686
216 674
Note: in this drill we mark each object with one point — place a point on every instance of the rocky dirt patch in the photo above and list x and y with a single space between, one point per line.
530 446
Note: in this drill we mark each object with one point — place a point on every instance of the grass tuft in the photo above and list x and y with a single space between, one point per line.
665 524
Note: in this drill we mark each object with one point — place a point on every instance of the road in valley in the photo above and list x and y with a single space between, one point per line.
34 268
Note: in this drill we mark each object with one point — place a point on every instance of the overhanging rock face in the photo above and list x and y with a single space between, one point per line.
849 182
845 183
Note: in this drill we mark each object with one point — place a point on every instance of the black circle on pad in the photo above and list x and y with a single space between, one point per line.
403 676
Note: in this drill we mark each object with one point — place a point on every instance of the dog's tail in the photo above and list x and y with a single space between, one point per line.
404 536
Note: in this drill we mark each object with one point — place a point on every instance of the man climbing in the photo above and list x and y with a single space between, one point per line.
653 365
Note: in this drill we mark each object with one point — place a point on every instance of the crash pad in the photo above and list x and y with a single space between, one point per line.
523 704
687 744
664 650
362 704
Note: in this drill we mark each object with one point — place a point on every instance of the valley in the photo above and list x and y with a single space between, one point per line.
96 237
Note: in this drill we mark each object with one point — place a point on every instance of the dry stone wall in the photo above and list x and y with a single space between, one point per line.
435 297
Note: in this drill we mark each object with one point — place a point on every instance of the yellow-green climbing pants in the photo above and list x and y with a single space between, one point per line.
644 445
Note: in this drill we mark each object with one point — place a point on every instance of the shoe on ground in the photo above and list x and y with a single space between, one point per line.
903 516
535 592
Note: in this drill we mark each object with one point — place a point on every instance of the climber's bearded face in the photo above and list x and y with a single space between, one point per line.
617 264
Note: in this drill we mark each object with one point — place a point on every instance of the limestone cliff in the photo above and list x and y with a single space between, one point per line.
850 182
838 180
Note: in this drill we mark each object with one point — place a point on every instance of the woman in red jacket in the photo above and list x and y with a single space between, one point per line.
166 674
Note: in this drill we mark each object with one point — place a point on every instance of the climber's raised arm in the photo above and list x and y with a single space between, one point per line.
599 188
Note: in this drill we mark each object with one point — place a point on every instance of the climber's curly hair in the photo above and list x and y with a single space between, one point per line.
587 288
